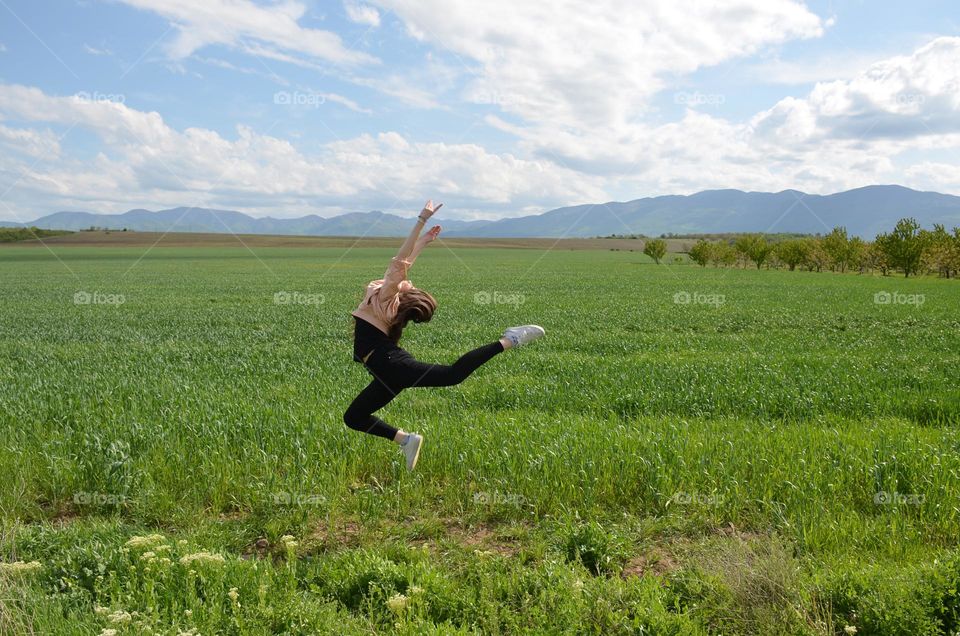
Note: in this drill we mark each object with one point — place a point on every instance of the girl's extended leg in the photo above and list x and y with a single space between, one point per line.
359 415
422 374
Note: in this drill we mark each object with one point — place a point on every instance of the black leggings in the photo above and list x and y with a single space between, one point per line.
393 370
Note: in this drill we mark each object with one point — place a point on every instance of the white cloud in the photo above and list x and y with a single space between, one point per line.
245 25
362 14
575 65
95 51
33 143
900 98
144 162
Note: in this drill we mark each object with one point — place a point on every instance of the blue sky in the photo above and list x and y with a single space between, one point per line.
289 108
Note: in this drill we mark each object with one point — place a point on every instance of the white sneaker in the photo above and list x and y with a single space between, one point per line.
411 449
522 335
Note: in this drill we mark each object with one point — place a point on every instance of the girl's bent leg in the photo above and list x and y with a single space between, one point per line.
359 415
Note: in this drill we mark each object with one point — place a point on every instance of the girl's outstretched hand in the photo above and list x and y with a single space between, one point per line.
431 234
429 208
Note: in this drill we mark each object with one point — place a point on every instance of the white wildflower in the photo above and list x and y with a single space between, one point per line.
19 567
397 602
149 541
120 616
202 557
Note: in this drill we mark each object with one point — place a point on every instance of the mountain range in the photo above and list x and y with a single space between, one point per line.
863 211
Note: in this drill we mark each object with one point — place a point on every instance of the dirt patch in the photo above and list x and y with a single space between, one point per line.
345 534
657 561
480 538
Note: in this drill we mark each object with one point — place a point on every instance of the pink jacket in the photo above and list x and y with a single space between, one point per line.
382 298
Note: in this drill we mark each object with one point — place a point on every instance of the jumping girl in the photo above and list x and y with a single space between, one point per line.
388 305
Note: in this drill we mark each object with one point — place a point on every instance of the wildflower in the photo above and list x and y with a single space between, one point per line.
108 632
148 556
415 589
397 602
578 585
850 629
100 610
188 613
148 541
233 594
202 557
120 616
19 567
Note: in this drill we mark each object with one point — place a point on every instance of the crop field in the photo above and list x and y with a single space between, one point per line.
688 450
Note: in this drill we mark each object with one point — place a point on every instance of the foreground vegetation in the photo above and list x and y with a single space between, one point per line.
688 451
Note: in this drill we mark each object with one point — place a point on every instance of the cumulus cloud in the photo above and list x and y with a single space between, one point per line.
244 25
146 162
569 64
33 143
903 97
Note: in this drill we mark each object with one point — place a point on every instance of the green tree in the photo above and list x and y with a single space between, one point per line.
941 252
903 246
723 254
856 249
792 252
874 258
655 249
837 246
700 253
755 247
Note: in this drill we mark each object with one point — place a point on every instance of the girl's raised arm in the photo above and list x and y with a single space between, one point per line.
397 270
410 243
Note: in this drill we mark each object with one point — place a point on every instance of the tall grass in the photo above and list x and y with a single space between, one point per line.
786 415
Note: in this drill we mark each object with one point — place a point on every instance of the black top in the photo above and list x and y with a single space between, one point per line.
366 338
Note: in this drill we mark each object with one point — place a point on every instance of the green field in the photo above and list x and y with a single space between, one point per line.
777 456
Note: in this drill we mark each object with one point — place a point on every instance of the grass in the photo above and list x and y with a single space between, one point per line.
778 455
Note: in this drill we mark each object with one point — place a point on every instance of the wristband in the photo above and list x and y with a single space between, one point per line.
422 219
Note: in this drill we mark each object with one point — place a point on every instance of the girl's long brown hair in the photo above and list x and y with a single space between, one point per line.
416 305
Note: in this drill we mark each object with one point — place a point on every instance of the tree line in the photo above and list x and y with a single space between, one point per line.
908 248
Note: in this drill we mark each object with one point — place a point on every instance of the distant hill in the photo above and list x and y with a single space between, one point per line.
864 212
